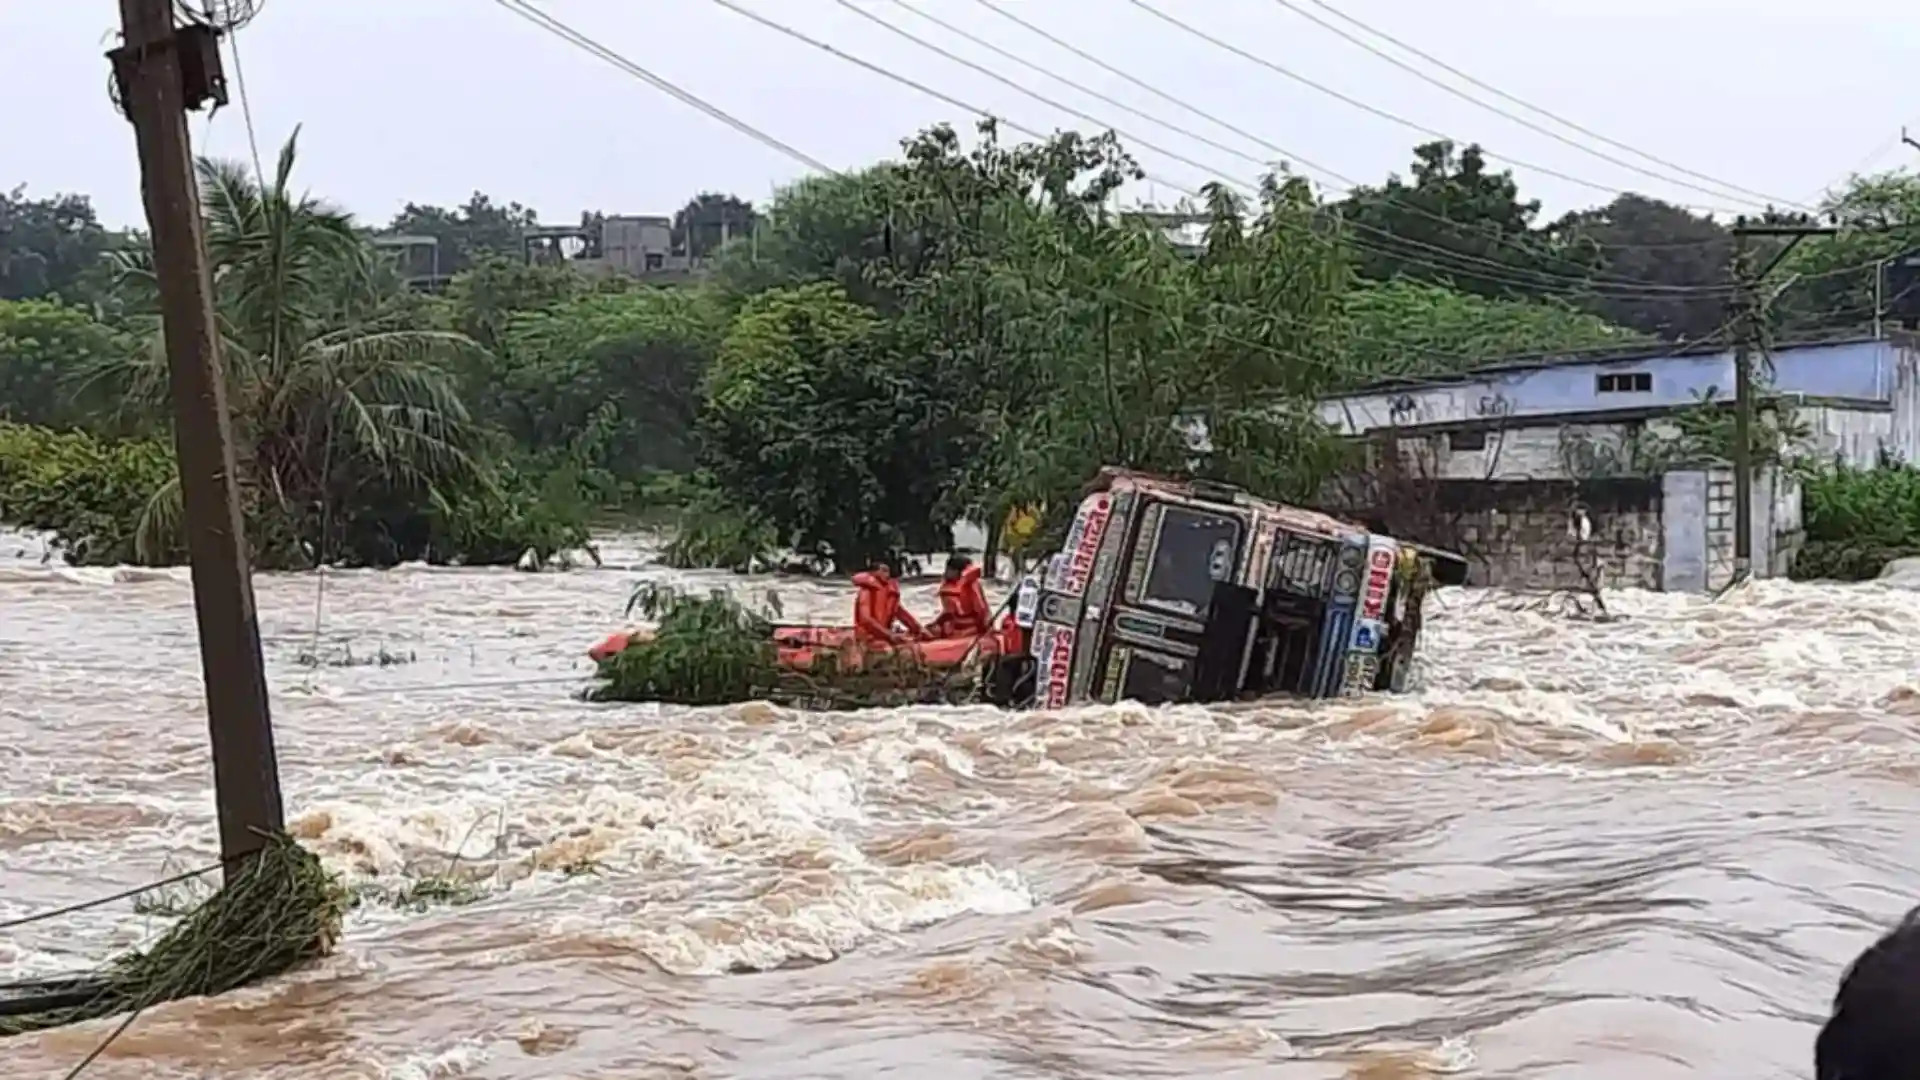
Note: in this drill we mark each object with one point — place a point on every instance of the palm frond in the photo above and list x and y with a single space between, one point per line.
158 532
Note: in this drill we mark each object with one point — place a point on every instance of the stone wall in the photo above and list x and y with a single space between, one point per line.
1527 534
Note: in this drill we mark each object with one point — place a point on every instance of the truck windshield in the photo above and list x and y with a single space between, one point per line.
1195 550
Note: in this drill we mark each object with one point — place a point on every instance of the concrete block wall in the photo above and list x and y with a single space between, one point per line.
1541 549
1698 527
1526 535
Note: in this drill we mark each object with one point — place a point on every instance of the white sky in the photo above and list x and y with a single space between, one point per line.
427 100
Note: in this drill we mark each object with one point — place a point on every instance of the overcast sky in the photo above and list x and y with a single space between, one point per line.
427 100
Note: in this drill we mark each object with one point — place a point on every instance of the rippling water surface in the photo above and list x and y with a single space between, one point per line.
1586 849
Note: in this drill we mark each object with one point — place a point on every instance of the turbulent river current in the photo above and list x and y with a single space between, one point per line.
1585 848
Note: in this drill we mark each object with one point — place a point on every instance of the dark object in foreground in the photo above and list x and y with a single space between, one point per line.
1874 1032
1166 591
279 911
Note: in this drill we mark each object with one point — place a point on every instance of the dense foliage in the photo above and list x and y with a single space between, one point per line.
705 650
1857 521
967 329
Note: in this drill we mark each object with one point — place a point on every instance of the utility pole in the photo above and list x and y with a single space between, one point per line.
1749 330
161 71
1745 330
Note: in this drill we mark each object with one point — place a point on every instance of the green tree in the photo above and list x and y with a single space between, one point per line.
347 420
1831 280
467 233
816 421
1204 364
966 227
630 361
1635 238
1458 224
484 300
709 220
1406 329
44 348
52 247
821 228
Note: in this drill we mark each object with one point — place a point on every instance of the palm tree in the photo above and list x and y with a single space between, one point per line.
340 409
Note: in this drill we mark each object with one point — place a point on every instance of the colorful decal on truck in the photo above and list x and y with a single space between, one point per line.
1083 546
1053 650
1329 672
1382 555
1363 670
1370 626
1143 549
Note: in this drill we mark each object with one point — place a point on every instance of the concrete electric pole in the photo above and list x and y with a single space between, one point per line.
160 71
1749 336
1745 333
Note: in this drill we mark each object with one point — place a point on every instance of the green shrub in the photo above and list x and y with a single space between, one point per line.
713 535
89 493
495 527
706 650
110 502
1857 521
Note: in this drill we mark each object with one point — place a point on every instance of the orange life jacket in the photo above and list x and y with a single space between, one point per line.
963 606
1013 637
875 606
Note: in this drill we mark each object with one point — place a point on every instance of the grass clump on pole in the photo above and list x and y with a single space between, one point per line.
281 909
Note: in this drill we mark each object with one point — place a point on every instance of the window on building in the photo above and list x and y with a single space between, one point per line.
1466 440
656 260
1624 382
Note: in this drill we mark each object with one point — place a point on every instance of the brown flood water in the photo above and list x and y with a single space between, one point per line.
1584 850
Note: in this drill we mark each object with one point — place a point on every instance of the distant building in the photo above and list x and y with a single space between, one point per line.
1506 462
1186 230
417 258
637 245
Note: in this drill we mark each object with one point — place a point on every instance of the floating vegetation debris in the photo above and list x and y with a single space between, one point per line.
347 658
714 650
418 895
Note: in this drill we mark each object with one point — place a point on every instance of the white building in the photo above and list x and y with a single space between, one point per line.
1504 462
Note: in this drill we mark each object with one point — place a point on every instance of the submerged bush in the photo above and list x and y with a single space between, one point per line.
91 494
117 502
713 535
1857 521
705 650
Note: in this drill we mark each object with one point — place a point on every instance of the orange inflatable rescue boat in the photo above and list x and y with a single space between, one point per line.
799 646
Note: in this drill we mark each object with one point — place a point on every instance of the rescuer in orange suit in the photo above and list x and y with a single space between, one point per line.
963 602
1013 638
876 608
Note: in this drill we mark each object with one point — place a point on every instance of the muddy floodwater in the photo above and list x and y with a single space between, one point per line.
1642 847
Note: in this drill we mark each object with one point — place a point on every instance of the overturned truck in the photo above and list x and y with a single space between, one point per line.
1165 591
1170 591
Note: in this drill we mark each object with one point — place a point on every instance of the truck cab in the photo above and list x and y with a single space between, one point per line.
1169 591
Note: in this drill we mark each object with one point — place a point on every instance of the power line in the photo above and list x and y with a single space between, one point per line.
1585 280
579 40
1525 245
101 1046
608 55
1375 110
587 44
1535 280
1879 151
1345 183
128 894
1290 5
